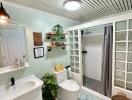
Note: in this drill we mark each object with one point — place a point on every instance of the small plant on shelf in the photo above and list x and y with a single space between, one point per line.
50 87
58 29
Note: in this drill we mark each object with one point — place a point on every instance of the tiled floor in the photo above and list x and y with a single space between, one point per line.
84 95
92 84
87 96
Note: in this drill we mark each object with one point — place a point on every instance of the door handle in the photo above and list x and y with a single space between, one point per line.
84 52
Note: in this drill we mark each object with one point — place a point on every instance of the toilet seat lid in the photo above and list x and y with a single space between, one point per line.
70 85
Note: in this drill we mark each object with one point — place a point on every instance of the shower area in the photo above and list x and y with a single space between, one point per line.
96 58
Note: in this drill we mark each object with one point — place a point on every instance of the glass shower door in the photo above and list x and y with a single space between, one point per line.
92 43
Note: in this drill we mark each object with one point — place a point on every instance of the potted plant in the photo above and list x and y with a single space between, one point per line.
50 87
58 29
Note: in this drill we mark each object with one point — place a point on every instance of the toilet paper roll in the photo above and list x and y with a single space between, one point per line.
69 72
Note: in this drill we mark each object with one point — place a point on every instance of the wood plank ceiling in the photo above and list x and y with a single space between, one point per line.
90 9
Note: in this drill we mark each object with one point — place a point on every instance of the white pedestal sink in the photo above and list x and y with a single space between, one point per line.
28 88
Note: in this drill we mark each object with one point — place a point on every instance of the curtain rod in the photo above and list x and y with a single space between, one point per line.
97 26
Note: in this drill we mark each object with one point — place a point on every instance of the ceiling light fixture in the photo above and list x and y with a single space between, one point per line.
72 5
4 16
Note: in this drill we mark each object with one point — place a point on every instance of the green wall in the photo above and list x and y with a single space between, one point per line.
37 21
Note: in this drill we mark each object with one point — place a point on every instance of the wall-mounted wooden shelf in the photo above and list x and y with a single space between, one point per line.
56 40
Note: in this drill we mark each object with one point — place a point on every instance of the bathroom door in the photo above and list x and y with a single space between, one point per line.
13 42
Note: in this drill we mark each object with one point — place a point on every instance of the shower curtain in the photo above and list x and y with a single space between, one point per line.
107 61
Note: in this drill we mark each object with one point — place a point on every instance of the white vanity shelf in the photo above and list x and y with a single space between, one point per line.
8 69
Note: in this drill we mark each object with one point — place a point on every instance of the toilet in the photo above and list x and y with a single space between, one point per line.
68 89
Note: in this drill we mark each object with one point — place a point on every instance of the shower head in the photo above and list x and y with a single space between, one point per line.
87 31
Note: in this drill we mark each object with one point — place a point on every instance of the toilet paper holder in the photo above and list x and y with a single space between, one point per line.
67 67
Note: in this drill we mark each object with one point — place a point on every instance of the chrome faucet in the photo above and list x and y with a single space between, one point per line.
12 82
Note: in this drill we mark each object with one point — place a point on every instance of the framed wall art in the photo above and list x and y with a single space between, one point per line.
37 38
38 52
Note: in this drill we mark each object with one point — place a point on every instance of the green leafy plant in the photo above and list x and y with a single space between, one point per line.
58 29
50 87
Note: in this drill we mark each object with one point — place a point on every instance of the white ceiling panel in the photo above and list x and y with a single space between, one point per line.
90 9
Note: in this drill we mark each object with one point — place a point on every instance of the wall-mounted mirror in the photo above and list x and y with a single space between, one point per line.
13 51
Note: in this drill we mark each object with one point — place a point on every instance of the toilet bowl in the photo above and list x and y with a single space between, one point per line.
68 89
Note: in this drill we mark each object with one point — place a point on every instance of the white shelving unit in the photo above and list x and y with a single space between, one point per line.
123 54
74 51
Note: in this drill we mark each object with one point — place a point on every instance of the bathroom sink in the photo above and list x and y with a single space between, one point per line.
21 87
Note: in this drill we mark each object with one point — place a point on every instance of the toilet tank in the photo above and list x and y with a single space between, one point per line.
61 76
